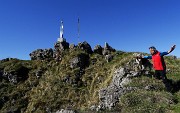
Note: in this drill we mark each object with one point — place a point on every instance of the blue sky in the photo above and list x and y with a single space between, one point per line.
128 25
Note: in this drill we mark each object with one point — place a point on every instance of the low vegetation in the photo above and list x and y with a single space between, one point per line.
51 86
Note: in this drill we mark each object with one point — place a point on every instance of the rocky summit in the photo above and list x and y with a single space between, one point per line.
73 78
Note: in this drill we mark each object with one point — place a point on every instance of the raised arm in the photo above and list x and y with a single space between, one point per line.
146 57
172 48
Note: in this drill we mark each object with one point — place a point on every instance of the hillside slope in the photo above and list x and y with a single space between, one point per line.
45 86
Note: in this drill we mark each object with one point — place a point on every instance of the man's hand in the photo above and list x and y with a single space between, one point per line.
172 48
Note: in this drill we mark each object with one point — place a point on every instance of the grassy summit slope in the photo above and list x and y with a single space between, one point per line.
49 86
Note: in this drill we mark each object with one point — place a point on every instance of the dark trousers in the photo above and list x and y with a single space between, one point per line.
161 74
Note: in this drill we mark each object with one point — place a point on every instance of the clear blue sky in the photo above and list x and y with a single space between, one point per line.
128 25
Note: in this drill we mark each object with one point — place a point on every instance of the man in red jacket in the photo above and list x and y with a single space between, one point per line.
159 64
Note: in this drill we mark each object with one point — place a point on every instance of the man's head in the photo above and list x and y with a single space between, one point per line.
152 50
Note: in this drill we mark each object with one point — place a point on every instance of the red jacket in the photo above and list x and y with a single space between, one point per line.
158 61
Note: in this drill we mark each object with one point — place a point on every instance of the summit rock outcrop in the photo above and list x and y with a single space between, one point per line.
61 46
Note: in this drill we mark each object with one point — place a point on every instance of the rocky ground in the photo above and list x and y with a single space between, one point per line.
73 78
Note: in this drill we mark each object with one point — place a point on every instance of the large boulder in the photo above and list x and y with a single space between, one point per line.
42 54
108 49
109 96
61 46
98 49
81 60
85 47
119 74
15 73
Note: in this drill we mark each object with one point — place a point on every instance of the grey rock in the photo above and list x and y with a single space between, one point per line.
75 79
85 46
75 62
109 96
39 73
133 74
15 76
48 110
106 52
108 57
149 87
7 59
98 49
11 77
125 81
61 46
81 60
65 111
119 74
108 49
57 55
93 108
129 89
100 107
42 54
72 46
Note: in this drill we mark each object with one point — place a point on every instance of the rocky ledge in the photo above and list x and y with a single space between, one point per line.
59 47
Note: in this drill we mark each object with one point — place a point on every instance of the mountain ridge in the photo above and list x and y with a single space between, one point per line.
72 77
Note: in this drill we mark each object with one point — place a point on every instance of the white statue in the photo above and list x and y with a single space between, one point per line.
61 37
